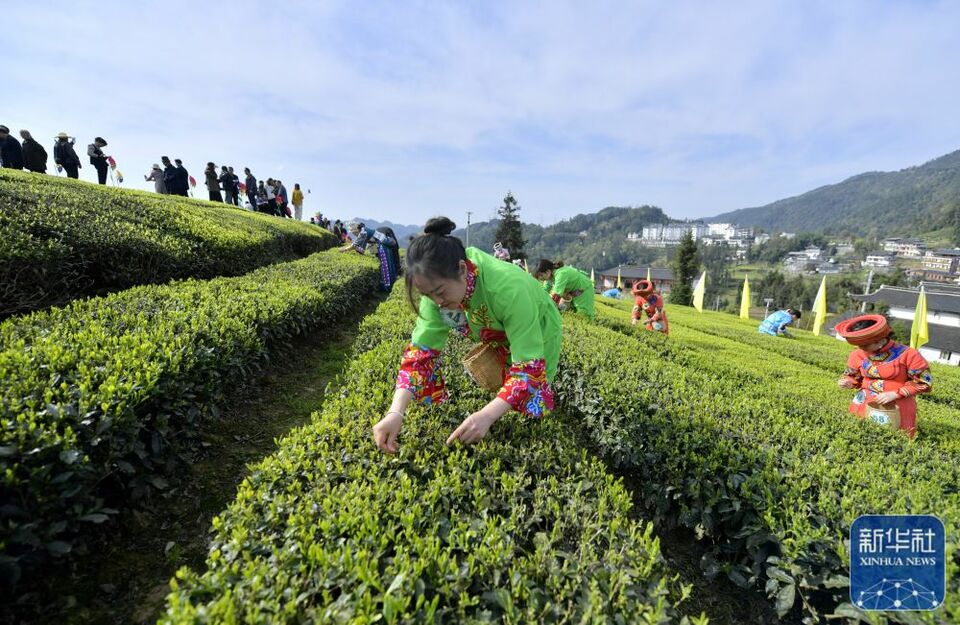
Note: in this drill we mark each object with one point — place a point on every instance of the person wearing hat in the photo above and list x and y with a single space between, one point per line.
34 156
776 324
387 250
98 159
886 373
467 292
650 302
65 156
570 286
156 175
11 153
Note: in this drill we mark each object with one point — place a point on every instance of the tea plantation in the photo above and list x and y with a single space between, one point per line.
147 312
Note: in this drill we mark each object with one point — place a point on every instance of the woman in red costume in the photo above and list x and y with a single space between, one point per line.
886 373
650 302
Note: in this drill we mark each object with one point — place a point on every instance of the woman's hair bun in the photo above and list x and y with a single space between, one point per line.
439 225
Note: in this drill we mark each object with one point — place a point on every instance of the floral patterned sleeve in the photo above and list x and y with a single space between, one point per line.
420 374
852 371
918 371
526 388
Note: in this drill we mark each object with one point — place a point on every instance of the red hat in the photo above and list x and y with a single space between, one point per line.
874 328
643 287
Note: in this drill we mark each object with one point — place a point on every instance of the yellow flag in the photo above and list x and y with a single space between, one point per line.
649 279
919 333
619 281
820 307
699 292
745 299
591 276
525 268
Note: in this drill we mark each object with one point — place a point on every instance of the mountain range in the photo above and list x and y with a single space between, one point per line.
906 202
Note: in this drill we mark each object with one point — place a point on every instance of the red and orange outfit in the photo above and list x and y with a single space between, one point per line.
503 306
895 368
650 302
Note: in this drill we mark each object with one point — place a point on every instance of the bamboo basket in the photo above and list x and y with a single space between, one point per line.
484 367
884 415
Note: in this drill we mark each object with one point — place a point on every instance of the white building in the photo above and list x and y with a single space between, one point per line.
947 261
663 235
879 260
943 316
908 248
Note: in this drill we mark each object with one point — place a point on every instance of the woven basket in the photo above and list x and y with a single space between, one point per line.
483 365
884 415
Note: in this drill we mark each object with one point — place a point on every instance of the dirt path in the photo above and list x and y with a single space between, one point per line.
124 579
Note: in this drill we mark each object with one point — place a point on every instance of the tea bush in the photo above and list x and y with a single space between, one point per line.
773 475
61 239
95 395
522 528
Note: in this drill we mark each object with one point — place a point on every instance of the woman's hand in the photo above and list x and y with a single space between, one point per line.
846 383
887 397
386 430
476 426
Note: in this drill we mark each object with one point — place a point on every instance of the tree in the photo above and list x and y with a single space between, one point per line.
685 268
509 232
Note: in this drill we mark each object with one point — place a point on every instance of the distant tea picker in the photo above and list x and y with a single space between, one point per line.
776 324
887 374
500 306
650 303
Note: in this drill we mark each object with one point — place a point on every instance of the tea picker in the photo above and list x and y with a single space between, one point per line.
650 302
498 305
887 374
776 324
568 286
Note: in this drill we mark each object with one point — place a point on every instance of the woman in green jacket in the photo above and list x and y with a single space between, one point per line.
472 293
567 284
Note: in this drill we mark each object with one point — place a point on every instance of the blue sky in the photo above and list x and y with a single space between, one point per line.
403 110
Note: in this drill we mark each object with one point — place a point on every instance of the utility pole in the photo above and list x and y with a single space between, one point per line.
863 305
468 227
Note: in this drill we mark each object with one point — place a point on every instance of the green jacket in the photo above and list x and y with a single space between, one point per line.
505 299
569 279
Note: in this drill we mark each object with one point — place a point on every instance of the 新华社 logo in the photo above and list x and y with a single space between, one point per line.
897 562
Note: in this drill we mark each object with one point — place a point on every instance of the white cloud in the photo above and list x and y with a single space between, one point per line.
403 110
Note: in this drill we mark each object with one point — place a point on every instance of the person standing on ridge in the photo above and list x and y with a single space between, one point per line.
183 179
297 200
98 159
11 152
213 183
156 175
65 156
251 183
170 176
34 156
226 183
